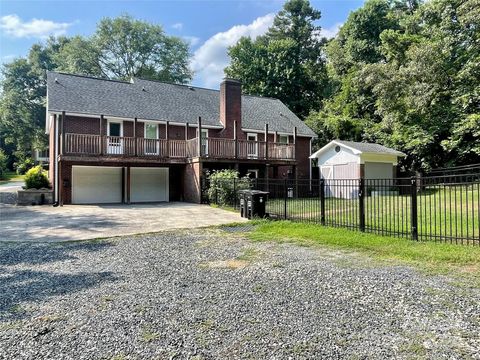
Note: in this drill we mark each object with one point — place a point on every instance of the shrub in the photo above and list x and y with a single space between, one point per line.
3 163
24 166
223 187
36 178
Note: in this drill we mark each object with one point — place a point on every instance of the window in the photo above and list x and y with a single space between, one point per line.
204 139
252 174
115 142
283 139
151 131
41 155
151 136
114 129
252 145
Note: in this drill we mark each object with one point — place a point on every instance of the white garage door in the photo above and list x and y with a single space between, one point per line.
96 185
148 184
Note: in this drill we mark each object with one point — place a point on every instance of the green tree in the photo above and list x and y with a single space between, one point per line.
406 74
125 47
119 49
287 62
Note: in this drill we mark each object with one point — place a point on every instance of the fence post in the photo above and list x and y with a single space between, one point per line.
322 201
361 204
413 210
285 196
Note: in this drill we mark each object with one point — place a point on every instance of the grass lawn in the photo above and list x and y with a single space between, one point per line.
450 259
450 212
11 176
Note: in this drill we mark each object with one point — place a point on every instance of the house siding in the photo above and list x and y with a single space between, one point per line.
184 178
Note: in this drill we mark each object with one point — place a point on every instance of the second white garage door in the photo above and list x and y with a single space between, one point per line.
96 185
148 184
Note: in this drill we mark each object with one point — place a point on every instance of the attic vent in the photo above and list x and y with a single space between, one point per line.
337 148
143 89
281 114
191 88
56 80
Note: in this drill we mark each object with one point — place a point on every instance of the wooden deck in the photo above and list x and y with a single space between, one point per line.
82 145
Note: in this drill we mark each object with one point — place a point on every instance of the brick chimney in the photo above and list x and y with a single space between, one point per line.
230 105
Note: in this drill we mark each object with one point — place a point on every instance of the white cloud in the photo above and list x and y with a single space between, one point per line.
332 31
178 26
211 58
16 27
192 40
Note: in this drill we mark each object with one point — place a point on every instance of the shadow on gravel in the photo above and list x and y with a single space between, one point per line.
35 254
20 282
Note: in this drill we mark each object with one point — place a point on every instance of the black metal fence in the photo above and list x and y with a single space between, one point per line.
456 170
440 208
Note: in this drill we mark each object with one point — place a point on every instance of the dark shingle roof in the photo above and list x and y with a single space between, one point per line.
154 100
369 147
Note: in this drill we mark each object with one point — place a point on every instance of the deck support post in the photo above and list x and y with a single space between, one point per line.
101 135
199 139
266 141
62 148
135 136
60 183
267 171
186 131
235 138
167 136
294 141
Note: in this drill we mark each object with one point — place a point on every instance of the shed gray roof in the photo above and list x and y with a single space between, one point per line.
154 100
359 148
370 148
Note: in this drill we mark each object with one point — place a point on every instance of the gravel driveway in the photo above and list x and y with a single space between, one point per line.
210 294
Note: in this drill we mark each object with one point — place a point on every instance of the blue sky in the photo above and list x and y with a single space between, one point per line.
209 26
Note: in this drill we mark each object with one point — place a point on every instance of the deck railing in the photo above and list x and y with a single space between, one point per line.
217 148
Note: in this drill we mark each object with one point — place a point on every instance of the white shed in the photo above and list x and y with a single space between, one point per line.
352 160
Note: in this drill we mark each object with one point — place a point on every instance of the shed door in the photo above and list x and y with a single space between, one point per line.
96 185
149 184
326 172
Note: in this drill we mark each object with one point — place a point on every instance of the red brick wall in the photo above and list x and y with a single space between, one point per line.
51 153
191 182
82 125
128 128
65 182
302 154
230 106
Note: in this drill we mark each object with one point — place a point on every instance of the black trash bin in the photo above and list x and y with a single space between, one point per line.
256 202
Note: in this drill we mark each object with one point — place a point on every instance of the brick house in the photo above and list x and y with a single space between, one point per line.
145 141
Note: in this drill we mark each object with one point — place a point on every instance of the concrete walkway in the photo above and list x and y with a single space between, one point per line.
82 222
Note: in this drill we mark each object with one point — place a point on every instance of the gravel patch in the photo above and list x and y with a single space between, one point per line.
209 294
